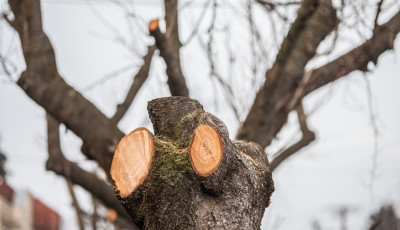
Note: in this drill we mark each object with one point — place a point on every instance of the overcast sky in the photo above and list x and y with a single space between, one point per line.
333 172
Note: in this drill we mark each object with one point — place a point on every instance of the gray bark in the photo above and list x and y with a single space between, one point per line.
173 196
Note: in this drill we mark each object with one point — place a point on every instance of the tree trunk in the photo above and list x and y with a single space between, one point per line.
189 174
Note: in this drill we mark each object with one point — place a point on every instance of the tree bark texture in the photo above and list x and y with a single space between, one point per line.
173 196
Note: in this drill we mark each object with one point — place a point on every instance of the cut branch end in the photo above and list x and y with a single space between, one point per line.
153 25
131 162
205 150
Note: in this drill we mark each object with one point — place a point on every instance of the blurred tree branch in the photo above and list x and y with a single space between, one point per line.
176 80
76 205
76 175
307 137
41 78
138 81
315 20
358 58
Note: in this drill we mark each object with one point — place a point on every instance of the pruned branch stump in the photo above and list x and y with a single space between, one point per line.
189 174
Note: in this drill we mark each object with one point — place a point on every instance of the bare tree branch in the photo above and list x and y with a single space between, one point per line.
76 175
196 26
3 62
75 203
378 11
307 138
176 80
95 215
357 58
138 81
315 20
270 6
172 33
41 79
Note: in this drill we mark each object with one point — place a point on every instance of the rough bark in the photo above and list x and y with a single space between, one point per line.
45 86
173 196
315 20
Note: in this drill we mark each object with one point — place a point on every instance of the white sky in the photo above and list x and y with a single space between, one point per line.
330 173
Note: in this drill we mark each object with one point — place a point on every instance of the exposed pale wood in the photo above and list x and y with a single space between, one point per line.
205 150
153 25
132 161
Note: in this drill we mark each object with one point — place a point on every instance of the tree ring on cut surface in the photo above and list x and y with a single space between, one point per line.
205 150
132 160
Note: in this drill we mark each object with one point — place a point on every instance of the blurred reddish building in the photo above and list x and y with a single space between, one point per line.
6 191
28 213
44 218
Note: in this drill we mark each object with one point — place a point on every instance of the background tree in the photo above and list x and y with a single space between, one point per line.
290 77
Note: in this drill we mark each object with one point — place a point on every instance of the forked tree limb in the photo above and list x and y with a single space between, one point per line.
76 175
138 81
41 79
206 180
315 20
176 80
308 136
358 58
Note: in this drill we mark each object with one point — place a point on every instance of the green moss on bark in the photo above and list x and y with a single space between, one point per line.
170 161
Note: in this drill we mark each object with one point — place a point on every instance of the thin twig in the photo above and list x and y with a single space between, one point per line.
307 138
378 11
6 70
138 81
108 77
197 24
270 6
75 203
375 130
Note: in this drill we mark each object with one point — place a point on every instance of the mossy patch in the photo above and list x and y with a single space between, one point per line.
170 161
